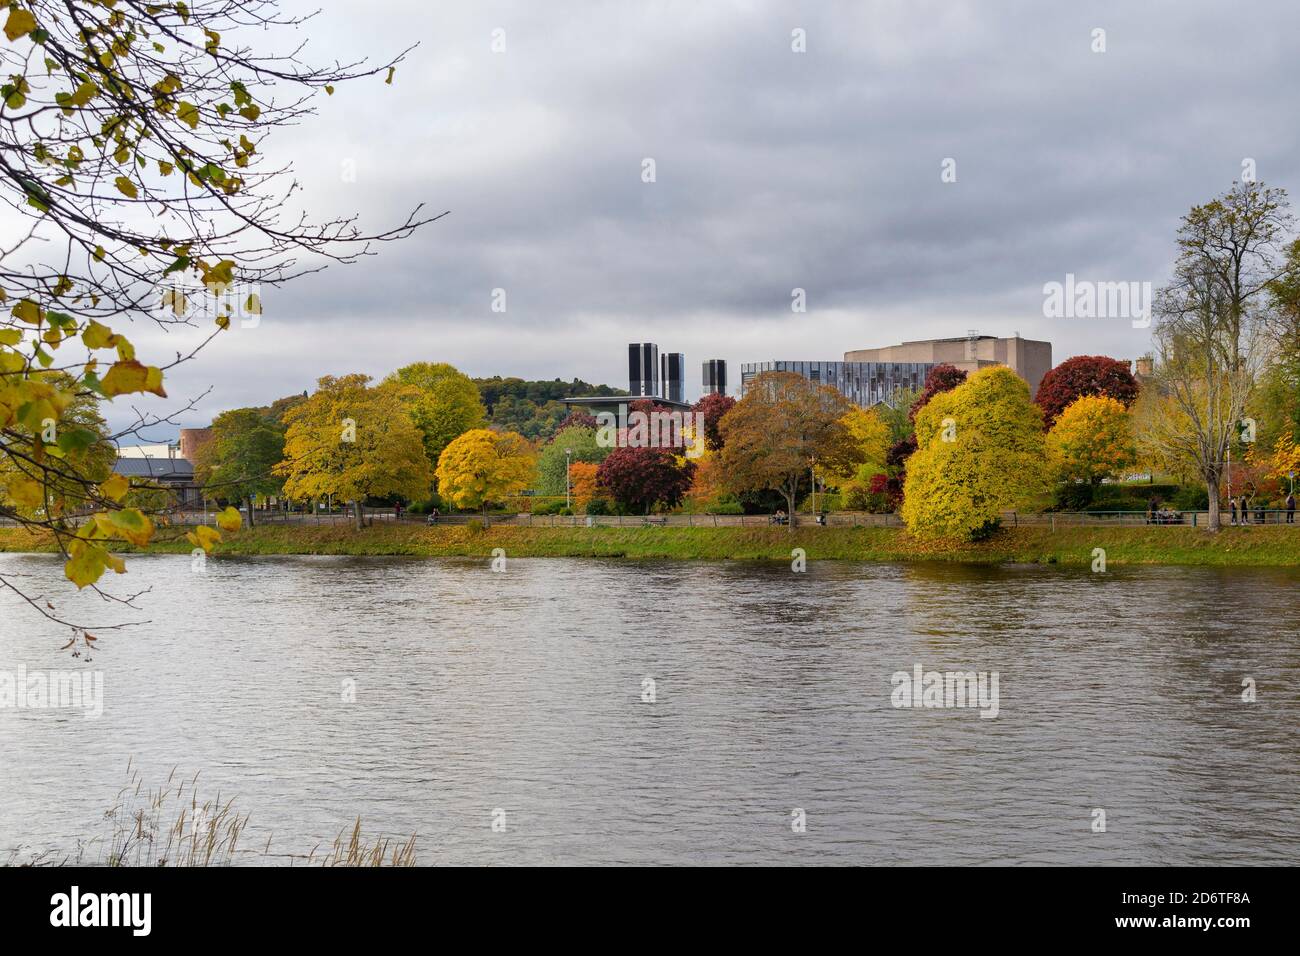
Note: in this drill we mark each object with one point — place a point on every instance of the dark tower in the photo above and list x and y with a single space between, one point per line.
672 376
643 370
715 377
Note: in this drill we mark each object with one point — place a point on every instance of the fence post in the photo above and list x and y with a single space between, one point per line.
1053 521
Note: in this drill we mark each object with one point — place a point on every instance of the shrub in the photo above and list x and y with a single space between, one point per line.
1072 496
1191 498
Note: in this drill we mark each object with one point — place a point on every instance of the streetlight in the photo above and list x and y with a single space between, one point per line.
568 454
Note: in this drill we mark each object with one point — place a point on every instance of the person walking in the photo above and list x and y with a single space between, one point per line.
1232 504
1290 508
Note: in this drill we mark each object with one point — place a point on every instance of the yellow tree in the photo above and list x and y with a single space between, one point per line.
871 433
353 441
1091 440
483 466
980 451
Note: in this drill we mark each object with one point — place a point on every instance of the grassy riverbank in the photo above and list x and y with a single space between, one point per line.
1259 546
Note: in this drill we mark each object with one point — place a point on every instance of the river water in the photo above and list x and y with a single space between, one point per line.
651 712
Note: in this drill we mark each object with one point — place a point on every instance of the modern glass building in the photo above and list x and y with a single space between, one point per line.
863 383
715 377
643 369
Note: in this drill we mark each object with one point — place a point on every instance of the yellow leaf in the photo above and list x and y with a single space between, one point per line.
27 311
126 187
26 493
229 520
130 376
188 114
20 23
132 525
85 567
115 487
97 336
204 537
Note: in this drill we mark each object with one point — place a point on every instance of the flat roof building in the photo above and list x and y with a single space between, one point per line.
1029 359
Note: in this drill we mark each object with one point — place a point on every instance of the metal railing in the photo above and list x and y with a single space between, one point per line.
839 519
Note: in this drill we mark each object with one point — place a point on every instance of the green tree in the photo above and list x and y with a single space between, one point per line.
444 403
551 462
980 451
245 448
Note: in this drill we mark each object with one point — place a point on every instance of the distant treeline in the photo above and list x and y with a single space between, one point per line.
533 409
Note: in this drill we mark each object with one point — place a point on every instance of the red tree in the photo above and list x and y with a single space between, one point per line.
640 478
941 378
714 406
579 419
1084 375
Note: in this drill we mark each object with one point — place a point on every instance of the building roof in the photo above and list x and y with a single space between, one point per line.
175 469
613 401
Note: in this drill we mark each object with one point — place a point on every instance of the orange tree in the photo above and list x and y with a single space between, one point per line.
783 428
133 157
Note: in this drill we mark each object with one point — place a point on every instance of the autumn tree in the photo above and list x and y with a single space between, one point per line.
868 429
585 483
242 456
354 441
1085 375
134 148
1091 440
642 478
785 427
444 403
1211 341
713 407
942 378
482 466
980 452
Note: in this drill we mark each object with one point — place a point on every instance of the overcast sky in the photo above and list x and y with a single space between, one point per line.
774 170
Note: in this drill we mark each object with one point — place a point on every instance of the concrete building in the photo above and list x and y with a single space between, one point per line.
1029 359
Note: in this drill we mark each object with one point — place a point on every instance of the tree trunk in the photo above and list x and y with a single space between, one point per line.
359 510
250 511
790 499
1212 487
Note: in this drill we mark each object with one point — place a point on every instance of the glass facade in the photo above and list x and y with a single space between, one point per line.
863 383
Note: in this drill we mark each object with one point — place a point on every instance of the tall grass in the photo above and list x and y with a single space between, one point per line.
173 825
